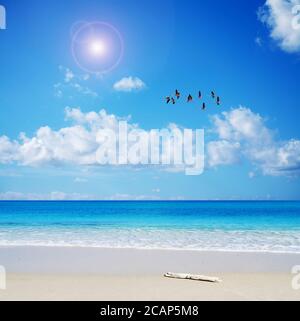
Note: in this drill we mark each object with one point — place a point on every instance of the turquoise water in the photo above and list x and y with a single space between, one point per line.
225 226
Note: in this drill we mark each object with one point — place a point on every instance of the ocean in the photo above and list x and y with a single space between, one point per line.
183 225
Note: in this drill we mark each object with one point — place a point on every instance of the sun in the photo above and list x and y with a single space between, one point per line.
97 48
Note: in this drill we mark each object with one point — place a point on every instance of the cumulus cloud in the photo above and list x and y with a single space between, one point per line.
283 19
223 152
240 135
128 84
8 150
241 124
243 134
77 144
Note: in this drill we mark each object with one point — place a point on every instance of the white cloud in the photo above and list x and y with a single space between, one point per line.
58 92
258 41
223 152
251 174
283 159
243 134
241 124
280 18
52 196
83 90
69 75
8 150
73 82
80 180
129 197
61 196
129 84
76 144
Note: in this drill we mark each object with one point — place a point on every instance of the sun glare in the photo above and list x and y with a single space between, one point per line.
97 48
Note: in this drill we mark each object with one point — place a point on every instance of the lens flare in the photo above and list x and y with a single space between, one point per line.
97 47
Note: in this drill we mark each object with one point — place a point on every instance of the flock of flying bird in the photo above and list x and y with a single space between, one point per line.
170 99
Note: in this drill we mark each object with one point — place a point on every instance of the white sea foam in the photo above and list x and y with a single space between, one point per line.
204 240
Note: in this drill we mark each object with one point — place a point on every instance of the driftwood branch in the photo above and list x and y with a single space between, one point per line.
194 277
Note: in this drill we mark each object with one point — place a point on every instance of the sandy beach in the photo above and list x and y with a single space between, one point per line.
58 273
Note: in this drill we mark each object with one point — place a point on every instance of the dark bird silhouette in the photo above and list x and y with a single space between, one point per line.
177 94
203 106
190 98
168 99
213 95
173 101
218 101
200 95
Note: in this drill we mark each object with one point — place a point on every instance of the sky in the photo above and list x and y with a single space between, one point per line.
51 104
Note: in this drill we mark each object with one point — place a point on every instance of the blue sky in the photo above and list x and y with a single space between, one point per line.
249 59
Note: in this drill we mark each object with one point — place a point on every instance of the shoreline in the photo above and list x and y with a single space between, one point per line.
53 246
149 249
120 261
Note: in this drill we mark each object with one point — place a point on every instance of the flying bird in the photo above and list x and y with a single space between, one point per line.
170 99
190 98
